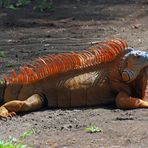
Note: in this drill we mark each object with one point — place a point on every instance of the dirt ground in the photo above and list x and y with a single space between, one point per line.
73 25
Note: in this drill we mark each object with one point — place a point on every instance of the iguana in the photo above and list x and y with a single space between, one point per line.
106 72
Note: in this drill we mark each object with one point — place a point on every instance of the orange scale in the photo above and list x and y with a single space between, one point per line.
76 60
118 45
62 63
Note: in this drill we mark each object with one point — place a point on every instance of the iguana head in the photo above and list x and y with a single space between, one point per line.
134 61
2 89
135 70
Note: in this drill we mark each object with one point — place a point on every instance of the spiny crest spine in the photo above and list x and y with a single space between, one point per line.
101 52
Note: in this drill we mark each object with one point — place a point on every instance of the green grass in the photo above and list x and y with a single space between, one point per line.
9 65
27 134
22 3
41 5
2 81
44 5
16 142
11 5
2 54
93 129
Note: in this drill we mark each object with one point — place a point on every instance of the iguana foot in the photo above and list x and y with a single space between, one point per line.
124 101
4 113
10 109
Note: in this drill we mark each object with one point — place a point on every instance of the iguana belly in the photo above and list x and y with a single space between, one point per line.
81 90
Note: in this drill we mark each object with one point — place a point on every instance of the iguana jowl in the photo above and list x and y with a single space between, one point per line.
107 72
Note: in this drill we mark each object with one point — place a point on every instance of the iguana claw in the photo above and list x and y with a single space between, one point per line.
4 113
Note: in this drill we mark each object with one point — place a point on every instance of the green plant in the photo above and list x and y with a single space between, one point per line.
44 5
2 54
93 129
4 3
2 81
7 4
9 65
10 144
27 134
16 143
22 3
41 5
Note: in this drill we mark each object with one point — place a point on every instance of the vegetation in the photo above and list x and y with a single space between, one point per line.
93 129
40 5
9 65
22 3
43 5
2 54
16 143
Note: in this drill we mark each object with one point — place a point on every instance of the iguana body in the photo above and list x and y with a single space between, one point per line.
105 73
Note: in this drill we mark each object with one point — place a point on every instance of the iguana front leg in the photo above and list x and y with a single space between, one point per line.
9 109
124 101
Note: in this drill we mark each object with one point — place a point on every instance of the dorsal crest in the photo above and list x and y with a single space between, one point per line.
101 52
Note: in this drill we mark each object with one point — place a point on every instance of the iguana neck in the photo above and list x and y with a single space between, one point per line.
122 62
128 75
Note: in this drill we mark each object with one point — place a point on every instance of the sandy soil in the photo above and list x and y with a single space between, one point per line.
73 25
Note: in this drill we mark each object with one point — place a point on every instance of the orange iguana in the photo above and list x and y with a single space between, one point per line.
107 72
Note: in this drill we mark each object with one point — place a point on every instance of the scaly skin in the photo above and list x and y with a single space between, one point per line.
90 79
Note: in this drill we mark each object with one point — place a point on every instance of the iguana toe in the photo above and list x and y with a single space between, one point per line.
4 113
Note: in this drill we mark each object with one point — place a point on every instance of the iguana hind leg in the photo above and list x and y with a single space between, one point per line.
124 101
9 109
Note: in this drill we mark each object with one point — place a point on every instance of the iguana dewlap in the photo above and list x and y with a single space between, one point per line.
105 73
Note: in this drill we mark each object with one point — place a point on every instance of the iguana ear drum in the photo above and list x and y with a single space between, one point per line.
128 75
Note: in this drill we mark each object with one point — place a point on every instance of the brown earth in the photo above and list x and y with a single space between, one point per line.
73 25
